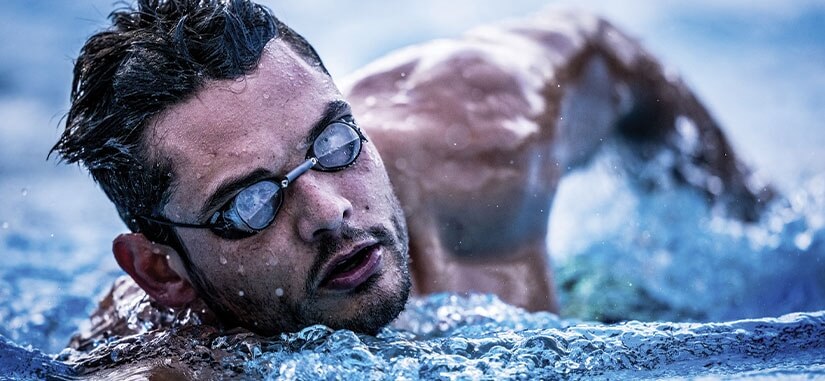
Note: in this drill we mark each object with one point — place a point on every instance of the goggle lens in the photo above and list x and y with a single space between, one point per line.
337 146
256 205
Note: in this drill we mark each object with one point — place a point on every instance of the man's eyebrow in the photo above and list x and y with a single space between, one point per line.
334 110
230 186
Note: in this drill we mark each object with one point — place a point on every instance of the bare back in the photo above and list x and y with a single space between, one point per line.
477 132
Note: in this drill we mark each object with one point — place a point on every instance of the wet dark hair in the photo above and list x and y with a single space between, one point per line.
155 55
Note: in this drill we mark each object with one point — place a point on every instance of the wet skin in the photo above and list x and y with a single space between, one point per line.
277 279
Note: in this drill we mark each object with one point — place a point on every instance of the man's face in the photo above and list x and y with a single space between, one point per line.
289 275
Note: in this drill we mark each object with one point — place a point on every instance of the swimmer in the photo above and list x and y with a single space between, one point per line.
263 196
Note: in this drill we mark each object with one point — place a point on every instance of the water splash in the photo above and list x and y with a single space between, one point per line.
481 337
621 254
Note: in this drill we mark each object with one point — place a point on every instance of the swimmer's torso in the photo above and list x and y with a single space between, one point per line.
476 133
473 134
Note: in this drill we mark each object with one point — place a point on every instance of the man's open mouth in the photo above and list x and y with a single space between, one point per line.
353 269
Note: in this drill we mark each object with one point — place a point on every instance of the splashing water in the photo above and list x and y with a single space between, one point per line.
678 260
449 337
668 256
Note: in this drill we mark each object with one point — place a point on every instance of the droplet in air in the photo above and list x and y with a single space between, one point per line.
5 225
803 240
266 95
240 293
240 269
222 260
279 292
24 192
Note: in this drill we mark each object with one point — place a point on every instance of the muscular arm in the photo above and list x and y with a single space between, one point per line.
476 133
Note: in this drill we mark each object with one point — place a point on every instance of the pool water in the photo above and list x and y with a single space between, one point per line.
739 293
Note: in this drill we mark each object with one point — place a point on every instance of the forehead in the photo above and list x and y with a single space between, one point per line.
232 127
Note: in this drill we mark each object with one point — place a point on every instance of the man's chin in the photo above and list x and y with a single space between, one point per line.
365 309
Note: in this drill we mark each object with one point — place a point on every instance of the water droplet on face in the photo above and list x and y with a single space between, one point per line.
222 260
24 192
279 292
240 293
155 251
266 95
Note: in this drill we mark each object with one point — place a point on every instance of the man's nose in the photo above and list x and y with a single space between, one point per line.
323 208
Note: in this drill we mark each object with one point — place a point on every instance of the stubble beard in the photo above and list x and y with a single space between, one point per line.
377 308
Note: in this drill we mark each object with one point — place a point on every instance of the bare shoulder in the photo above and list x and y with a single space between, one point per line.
469 108
502 71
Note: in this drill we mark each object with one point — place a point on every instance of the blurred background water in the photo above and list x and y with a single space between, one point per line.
758 67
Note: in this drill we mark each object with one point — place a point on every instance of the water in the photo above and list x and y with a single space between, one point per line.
679 260
687 272
447 337
667 256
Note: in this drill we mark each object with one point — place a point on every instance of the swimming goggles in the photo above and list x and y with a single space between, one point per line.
254 208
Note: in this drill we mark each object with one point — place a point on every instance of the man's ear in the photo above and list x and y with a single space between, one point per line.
149 264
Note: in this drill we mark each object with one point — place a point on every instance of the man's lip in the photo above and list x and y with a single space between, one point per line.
372 260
